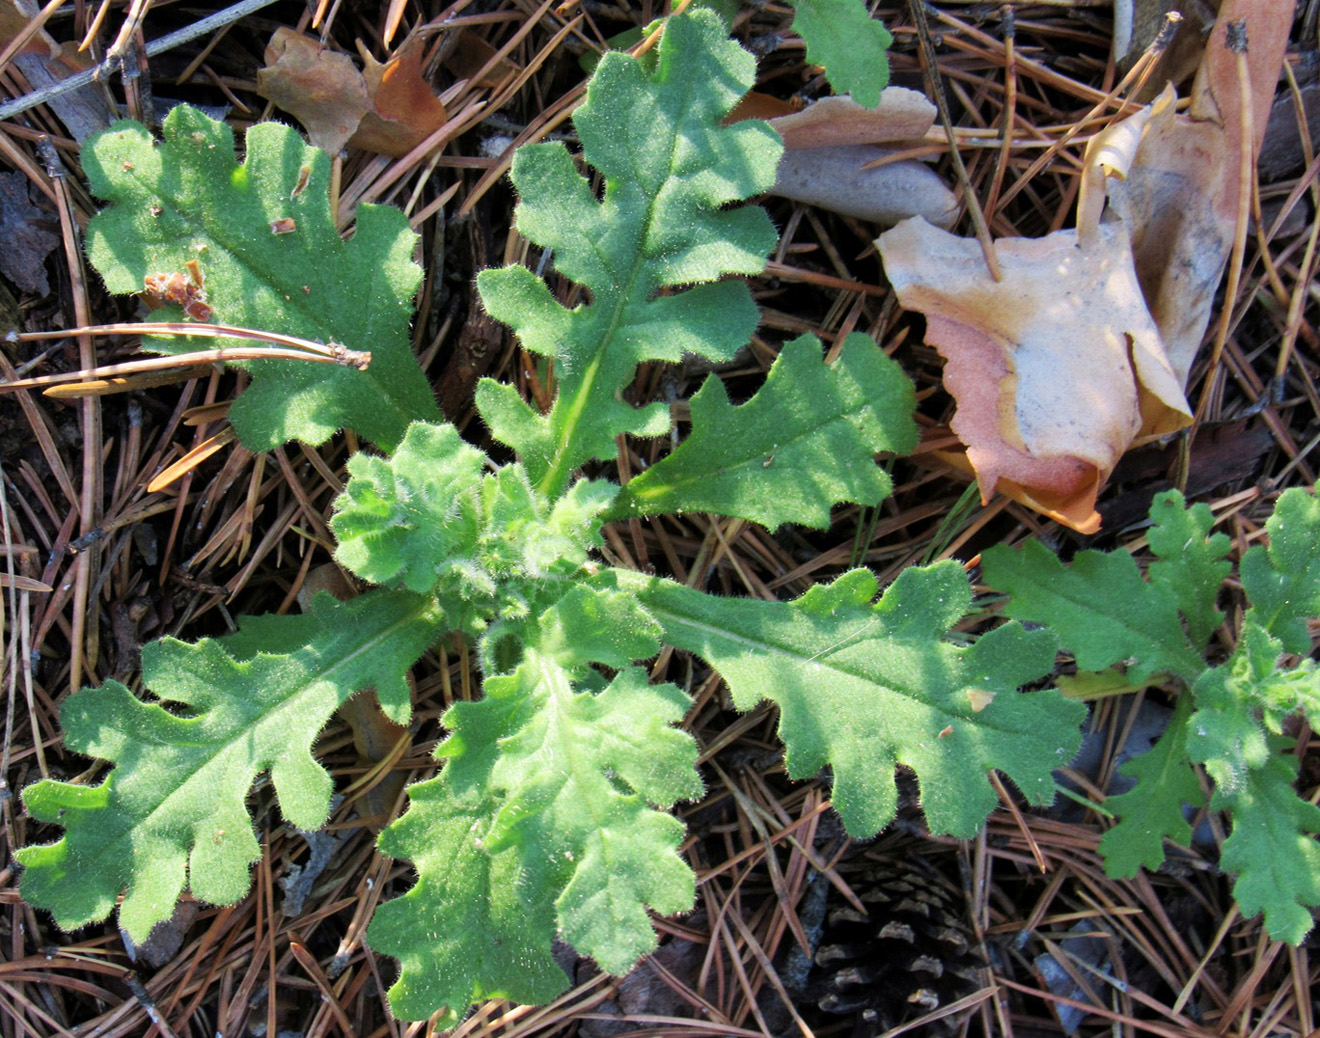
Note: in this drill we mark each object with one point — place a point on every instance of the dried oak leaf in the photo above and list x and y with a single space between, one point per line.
389 108
320 88
404 109
833 121
1057 369
1180 197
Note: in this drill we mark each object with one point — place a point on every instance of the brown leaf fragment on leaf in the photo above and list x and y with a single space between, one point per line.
1180 197
320 88
404 109
1057 369
389 109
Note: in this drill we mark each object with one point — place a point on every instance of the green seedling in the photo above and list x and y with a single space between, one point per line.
551 814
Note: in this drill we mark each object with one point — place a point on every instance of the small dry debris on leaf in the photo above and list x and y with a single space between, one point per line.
388 108
1084 348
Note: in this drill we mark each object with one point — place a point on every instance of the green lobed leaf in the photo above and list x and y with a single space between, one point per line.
1101 608
174 804
561 781
1190 562
1234 734
472 927
1273 846
409 519
185 198
806 441
488 545
1282 581
853 47
670 169
864 686
1153 809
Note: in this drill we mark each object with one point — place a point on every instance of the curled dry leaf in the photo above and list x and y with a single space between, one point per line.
1057 369
404 109
831 154
390 108
834 121
1180 197
1084 348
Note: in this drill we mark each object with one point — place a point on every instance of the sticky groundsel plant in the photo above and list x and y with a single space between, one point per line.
1230 717
550 815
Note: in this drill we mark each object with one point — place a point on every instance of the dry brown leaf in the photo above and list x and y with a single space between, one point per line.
389 109
1084 347
756 105
1057 369
404 109
1180 197
829 146
322 89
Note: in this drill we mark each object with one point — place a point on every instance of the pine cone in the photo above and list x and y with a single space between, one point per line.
910 953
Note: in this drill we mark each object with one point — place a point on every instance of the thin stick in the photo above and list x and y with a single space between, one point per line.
83 638
297 349
168 42
1235 39
969 193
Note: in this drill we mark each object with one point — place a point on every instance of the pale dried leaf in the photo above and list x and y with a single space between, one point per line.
1180 198
389 109
1057 369
1109 155
833 121
837 179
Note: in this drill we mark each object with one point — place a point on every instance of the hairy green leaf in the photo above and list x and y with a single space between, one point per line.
1147 818
806 441
864 686
186 199
842 36
1234 734
564 781
413 518
1283 580
488 545
1190 561
1272 847
1101 608
473 926
670 169
1230 717
174 804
